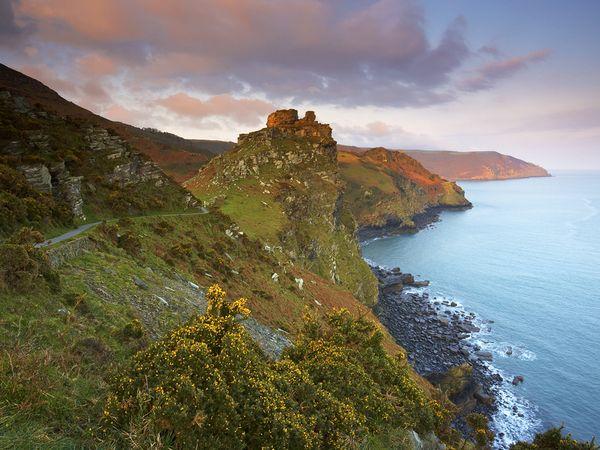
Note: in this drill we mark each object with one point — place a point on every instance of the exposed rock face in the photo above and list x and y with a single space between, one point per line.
287 121
38 176
134 169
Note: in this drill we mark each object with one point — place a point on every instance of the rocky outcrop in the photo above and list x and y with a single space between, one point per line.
38 176
133 169
292 166
287 122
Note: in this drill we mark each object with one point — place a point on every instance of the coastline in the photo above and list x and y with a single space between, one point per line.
436 339
394 227
441 338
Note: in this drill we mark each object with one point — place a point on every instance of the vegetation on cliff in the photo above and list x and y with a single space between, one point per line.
387 188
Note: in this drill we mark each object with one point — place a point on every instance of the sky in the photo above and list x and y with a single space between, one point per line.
517 76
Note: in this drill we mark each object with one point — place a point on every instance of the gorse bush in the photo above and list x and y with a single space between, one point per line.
553 439
208 385
22 264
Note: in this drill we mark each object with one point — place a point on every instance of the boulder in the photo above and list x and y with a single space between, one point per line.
518 380
140 283
484 356
408 278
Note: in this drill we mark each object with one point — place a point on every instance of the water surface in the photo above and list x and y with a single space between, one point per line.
527 256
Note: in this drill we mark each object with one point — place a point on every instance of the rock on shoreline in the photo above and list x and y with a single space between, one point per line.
434 337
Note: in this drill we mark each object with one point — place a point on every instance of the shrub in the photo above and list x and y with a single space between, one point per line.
208 385
130 243
479 430
21 264
553 439
162 227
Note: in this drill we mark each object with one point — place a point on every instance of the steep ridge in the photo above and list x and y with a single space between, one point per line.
56 171
388 191
475 165
281 185
179 158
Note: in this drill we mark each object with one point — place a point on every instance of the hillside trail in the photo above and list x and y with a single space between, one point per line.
87 226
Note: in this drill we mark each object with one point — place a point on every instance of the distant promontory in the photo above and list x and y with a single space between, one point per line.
483 165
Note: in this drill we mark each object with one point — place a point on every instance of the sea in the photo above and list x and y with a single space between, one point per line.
526 258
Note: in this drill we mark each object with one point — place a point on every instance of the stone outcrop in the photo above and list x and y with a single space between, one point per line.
282 124
38 176
133 168
286 121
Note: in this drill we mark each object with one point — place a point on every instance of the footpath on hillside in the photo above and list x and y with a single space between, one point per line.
77 231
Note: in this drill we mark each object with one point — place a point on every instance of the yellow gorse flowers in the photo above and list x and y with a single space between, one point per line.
207 384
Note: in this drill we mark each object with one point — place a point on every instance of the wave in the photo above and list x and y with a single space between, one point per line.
516 418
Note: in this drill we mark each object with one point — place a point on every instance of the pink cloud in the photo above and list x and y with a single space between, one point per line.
491 72
244 111
97 65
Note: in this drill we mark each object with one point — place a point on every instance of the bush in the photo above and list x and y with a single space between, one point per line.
208 385
21 263
553 439
130 243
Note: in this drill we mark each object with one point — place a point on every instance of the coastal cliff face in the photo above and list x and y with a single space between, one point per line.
388 190
282 185
456 166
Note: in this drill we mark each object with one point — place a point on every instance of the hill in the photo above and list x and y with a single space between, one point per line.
281 184
75 314
484 165
178 157
61 170
388 191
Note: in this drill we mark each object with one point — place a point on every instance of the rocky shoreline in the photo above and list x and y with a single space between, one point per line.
436 338
395 226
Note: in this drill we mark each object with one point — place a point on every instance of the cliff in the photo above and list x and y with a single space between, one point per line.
476 165
281 184
484 165
387 190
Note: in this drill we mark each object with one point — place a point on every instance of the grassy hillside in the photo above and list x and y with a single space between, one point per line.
116 289
176 156
387 188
